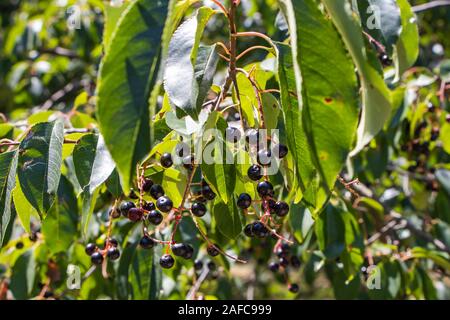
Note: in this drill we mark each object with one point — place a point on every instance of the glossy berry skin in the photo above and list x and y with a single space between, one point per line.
125 207
164 204
232 134
198 265
166 261
133 195
155 217
293 287
146 185
208 193
385 60
284 262
280 151
198 209
135 214
179 249
90 249
149 206
244 201
112 242
189 252
254 172
97 258
146 242
212 251
264 157
274 267
248 231
166 160
281 208
265 188
156 191
260 230
113 254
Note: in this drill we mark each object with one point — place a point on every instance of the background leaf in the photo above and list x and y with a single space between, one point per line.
8 166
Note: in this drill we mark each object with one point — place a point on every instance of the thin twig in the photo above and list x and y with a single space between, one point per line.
430 5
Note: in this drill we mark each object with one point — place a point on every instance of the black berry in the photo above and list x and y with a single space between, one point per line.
208 193
198 209
149 206
164 204
281 208
125 207
19 245
212 250
155 217
268 205
112 242
114 213
198 265
156 191
280 151
146 185
385 60
211 266
260 230
293 287
90 249
284 262
431 107
248 231
166 160
189 252
447 118
265 188
274 267
179 249
166 261
97 258
244 201
254 172
113 253
135 214
146 242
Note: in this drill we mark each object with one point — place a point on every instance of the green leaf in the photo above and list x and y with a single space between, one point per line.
60 226
92 161
407 46
292 112
326 83
301 221
23 276
189 69
39 166
8 166
113 184
376 104
127 76
381 19
23 208
145 275
113 13
228 218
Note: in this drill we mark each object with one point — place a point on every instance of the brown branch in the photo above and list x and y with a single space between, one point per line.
430 5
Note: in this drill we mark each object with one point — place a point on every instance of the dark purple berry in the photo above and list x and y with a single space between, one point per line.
198 209
125 206
255 172
156 191
166 160
164 204
90 249
149 206
211 266
135 214
166 261
274 267
113 253
265 188
280 151
198 265
146 185
293 287
244 201
212 250
208 193
248 231
179 249
146 242
97 258
281 208
155 217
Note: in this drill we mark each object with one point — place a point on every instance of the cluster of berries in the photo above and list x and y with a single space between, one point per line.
285 259
110 250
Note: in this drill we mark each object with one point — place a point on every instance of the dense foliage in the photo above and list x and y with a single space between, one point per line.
187 149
